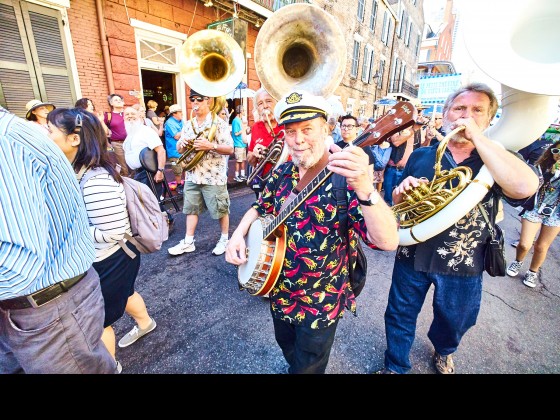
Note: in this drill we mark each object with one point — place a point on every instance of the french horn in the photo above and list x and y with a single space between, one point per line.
211 63
519 50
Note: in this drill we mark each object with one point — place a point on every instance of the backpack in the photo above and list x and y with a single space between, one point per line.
358 267
149 225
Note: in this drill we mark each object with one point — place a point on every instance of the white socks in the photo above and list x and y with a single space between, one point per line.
189 239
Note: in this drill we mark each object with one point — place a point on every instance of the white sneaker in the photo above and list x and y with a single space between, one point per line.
181 248
220 247
530 279
514 267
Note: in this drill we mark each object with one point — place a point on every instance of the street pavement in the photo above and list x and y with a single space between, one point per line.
206 325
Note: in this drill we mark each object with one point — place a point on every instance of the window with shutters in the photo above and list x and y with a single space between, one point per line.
34 62
366 66
361 10
373 16
355 59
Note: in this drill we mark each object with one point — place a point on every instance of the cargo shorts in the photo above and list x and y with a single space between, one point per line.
197 198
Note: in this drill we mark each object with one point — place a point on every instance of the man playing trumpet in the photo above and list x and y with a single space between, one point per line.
262 135
206 183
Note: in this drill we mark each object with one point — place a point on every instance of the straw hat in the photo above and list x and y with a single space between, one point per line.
34 104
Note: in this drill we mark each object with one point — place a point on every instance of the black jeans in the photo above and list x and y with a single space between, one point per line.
306 350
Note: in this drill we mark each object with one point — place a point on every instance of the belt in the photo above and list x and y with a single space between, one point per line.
41 297
400 168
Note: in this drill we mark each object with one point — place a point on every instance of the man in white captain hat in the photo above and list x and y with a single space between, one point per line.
312 290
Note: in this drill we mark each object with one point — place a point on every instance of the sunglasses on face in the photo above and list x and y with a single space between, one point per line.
555 151
197 98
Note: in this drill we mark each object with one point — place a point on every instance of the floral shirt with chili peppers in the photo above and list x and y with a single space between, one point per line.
312 289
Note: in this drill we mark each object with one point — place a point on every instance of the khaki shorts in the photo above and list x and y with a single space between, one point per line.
240 154
177 169
198 198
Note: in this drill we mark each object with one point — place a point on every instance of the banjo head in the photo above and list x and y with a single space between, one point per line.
253 240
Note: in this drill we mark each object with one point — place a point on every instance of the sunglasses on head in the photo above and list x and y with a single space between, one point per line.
197 98
555 151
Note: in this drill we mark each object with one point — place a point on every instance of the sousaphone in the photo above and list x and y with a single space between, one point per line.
515 43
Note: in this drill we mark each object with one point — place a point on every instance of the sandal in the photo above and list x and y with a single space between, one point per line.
443 364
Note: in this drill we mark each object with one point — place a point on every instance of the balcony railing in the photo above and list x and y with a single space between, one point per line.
274 5
407 88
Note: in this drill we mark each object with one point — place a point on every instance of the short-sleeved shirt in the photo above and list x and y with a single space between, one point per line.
312 286
459 249
172 127
212 168
133 145
237 127
260 135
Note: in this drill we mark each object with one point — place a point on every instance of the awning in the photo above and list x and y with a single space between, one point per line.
386 102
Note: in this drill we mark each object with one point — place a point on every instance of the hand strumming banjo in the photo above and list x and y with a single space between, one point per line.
266 239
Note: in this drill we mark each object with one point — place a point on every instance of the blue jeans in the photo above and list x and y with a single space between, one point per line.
456 303
390 181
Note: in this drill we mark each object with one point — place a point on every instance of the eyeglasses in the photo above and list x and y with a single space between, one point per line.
438 118
347 127
198 98
555 151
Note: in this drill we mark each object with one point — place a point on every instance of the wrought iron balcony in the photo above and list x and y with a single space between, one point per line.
408 88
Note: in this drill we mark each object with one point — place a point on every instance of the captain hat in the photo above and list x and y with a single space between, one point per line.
301 105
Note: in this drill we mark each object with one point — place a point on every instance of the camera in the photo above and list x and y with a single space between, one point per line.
546 209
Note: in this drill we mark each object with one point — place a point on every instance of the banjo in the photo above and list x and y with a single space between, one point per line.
266 238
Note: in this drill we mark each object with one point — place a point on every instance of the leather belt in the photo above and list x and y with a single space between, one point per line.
41 297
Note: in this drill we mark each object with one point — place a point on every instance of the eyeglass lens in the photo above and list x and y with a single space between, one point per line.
347 127
554 151
198 98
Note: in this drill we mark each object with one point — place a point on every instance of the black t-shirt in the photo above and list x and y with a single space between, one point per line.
458 250
397 152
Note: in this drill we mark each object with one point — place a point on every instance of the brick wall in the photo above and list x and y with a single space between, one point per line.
87 50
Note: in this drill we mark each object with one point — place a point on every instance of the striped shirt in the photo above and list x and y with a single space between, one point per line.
108 217
44 236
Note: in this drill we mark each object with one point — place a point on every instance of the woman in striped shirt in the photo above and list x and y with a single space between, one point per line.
80 136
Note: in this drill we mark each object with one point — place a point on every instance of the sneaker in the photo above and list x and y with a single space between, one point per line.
443 364
119 367
220 247
242 178
136 333
513 268
530 279
181 248
514 243
238 179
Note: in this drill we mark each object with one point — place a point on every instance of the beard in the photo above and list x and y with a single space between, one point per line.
132 127
310 157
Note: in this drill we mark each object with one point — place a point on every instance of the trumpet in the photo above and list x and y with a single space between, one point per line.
276 154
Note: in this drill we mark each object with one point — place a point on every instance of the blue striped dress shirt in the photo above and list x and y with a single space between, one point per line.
44 230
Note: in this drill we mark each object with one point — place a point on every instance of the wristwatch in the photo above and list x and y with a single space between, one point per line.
160 170
215 146
371 201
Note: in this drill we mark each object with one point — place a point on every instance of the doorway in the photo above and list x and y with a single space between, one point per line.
159 87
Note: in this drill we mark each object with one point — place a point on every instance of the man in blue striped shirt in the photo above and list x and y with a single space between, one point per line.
51 306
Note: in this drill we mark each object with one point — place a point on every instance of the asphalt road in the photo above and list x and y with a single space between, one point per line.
206 325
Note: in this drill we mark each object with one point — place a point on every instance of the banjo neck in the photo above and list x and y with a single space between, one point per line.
401 116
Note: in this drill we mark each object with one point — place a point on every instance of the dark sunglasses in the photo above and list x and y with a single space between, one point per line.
555 151
198 98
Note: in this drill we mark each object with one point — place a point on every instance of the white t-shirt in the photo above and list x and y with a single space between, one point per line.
134 144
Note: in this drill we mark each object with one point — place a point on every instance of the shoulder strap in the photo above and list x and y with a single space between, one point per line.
90 173
109 116
340 188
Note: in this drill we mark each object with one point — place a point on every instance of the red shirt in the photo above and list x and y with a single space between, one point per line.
260 135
